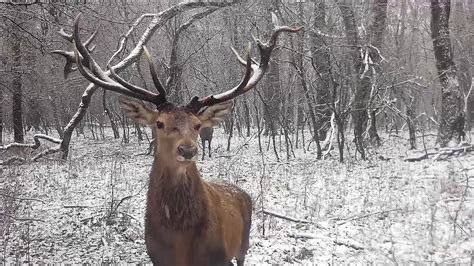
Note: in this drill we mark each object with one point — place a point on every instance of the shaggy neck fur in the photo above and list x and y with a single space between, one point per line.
176 197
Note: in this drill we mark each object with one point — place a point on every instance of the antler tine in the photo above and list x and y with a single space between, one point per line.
149 96
153 74
88 42
69 55
70 60
249 81
64 35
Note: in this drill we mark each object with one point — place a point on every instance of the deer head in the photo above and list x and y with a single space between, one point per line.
176 128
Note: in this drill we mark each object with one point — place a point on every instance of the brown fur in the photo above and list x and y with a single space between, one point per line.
189 221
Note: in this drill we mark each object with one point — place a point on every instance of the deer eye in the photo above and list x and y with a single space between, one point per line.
160 125
197 127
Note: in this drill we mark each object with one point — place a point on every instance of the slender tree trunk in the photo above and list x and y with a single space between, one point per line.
306 92
321 63
470 100
360 107
361 97
1 117
107 112
17 111
247 115
57 124
376 34
452 118
272 91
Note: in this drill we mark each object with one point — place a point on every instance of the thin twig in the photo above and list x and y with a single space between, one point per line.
365 216
284 217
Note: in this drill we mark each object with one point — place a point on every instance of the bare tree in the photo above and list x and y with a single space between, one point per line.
364 58
452 118
15 40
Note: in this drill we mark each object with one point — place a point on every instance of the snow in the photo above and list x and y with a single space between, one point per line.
373 211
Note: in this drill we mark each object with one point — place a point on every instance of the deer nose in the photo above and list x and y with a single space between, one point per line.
187 152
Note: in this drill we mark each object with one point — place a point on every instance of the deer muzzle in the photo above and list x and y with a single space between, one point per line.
187 153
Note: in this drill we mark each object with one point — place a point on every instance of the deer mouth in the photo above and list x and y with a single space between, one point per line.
181 158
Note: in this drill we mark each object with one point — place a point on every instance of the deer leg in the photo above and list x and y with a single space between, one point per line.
240 261
203 142
209 143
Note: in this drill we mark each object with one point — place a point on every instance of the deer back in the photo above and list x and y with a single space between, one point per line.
206 133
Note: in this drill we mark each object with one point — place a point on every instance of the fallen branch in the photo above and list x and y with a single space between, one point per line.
21 219
75 206
34 146
443 153
341 242
350 243
12 160
353 218
17 198
303 235
284 217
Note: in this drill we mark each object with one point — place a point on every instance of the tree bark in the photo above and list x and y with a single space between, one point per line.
17 112
362 91
322 64
376 32
451 126
315 121
1 116
272 90
364 69
109 115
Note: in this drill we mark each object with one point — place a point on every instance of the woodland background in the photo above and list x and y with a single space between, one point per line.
363 122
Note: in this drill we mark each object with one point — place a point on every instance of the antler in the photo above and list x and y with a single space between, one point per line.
91 70
249 80
69 55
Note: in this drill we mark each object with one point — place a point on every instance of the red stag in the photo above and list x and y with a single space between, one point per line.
188 221
206 135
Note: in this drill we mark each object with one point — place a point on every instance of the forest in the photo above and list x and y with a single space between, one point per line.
350 125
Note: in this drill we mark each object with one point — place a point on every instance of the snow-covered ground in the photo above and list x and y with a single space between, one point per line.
90 209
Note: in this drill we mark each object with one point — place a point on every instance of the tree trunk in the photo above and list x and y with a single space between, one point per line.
362 91
57 124
376 32
451 126
364 78
470 100
1 117
110 115
306 92
272 91
17 112
321 63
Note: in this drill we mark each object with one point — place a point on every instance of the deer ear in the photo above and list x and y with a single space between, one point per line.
138 111
214 114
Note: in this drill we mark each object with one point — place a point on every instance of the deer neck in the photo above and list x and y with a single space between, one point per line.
176 196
